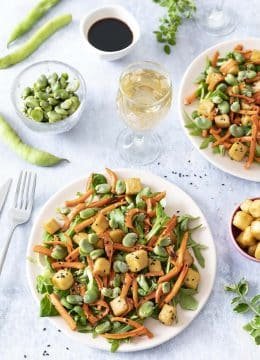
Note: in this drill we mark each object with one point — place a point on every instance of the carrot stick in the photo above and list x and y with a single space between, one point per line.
66 223
153 241
244 97
62 311
149 208
125 335
169 227
91 318
175 271
132 323
176 287
147 297
126 285
183 248
79 200
55 242
42 250
78 228
102 304
121 247
130 306
130 215
73 255
67 264
113 179
154 273
214 59
190 99
109 208
135 292
90 263
238 47
82 289
253 142
106 201
75 211
222 139
158 294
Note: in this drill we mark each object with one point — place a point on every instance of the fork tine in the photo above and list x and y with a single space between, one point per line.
25 204
31 194
17 189
21 193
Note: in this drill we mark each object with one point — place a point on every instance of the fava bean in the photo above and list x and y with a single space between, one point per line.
166 287
239 57
103 327
65 303
120 266
236 131
257 150
217 99
74 299
224 107
142 282
103 188
92 238
160 251
146 309
85 247
120 187
96 253
203 123
164 242
129 239
235 106
221 87
230 79
242 75
250 74
59 252
37 114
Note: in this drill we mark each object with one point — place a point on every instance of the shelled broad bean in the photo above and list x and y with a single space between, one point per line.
51 98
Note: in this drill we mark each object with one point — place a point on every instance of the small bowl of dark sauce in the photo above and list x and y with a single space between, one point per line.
111 32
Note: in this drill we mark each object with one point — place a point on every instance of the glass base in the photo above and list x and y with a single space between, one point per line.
217 22
138 149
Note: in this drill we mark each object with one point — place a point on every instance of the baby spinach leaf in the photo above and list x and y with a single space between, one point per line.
46 307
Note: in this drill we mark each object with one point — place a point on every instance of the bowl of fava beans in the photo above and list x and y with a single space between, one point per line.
245 228
49 96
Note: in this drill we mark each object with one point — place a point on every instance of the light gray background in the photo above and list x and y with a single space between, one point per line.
217 333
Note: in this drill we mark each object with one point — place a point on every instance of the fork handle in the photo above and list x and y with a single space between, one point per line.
5 246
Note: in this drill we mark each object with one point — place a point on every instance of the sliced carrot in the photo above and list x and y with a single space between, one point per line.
153 241
130 307
130 217
98 281
90 317
80 199
73 255
238 47
62 311
90 263
169 227
118 246
132 333
55 242
108 245
171 274
75 211
106 201
113 179
190 99
158 294
183 248
109 208
214 59
149 207
42 250
253 142
222 139
176 287
244 97
154 273
67 264
132 323
102 304
81 226
135 292
66 222
126 285
82 289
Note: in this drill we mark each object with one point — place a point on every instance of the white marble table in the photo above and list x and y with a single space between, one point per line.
217 333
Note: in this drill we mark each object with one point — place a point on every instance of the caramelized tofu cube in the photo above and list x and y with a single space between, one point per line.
167 315
100 225
119 305
52 226
192 279
133 186
137 260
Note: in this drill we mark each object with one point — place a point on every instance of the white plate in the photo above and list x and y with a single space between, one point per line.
176 200
187 87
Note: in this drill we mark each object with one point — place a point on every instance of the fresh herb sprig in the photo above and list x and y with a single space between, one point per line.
177 10
242 304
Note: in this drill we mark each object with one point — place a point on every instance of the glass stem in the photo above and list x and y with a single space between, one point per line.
219 5
138 139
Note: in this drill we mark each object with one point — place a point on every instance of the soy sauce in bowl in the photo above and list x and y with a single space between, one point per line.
110 34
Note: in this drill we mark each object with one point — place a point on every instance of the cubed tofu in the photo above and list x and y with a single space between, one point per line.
119 305
238 151
192 279
154 265
255 229
116 235
205 107
51 226
254 208
137 260
242 220
229 67
100 224
188 258
101 267
167 315
257 251
251 250
213 79
100 244
255 57
222 121
76 238
133 186
246 205
246 238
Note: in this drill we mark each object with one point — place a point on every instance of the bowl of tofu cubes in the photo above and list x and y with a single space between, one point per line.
245 229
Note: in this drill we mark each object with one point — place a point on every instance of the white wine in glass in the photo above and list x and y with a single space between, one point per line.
144 98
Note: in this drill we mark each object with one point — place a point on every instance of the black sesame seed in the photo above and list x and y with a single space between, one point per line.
44 329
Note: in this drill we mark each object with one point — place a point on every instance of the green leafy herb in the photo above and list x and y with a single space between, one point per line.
242 304
186 299
46 307
177 11
160 221
205 143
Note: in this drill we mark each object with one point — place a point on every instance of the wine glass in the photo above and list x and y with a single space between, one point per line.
143 100
218 19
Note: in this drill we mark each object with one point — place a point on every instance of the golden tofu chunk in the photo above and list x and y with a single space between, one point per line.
133 186
100 244
254 208
192 279
62 279
238 151
255 57
255 229
213 79
116 235
222 121
242 220
51 226
251 250
246 238
76 238
119 305
257 251
137 260
167 315
154 265
100 224
205 107
101 267
229 67
246 205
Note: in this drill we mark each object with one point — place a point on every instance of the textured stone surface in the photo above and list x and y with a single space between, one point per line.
217 333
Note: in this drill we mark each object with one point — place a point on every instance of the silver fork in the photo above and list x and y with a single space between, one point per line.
21 210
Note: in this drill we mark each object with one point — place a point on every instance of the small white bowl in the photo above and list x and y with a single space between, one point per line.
117 12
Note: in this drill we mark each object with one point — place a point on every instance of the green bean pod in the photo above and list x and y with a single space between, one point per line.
30 154
44 32
31 18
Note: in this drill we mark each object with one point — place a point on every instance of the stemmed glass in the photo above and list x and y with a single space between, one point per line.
143 100
218 19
